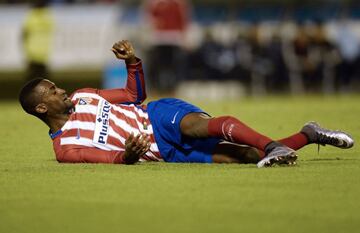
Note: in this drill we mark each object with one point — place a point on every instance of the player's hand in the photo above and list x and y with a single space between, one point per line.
123 50
135 147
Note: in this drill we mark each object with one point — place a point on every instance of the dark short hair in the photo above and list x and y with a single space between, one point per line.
28 98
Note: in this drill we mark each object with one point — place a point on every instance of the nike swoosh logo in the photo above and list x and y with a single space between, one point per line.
78 134
173 120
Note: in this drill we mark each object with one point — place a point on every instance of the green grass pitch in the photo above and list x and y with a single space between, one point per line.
320 194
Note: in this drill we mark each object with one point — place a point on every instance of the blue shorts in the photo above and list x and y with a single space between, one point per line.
165 116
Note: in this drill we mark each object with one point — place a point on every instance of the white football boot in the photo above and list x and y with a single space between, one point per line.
280 155
322 136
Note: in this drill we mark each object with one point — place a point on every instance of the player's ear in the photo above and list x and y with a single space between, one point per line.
41 108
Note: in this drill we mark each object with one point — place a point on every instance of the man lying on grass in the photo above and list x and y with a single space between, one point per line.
111 126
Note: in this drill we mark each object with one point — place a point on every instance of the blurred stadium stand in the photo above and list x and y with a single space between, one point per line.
265 46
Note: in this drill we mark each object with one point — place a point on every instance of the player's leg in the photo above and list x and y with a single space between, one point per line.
199 125
226 152
295 142
234 153
313 133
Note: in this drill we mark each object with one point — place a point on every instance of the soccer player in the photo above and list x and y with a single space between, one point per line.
112 126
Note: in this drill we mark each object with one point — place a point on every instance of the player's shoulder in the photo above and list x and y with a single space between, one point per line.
84 92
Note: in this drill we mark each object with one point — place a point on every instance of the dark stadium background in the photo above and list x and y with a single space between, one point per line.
255 47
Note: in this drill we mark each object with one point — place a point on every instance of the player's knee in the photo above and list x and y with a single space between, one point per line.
195 125
226 118
222 120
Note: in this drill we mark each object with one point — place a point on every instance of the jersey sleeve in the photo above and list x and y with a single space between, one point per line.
82 154
90 155
134 91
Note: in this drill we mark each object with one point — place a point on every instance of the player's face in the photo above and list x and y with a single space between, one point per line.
55 98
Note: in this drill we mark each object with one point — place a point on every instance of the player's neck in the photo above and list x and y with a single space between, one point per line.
55 123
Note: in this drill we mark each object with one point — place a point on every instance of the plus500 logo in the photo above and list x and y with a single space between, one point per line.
102 124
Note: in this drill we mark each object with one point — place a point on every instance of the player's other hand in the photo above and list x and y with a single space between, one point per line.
123 50
135 147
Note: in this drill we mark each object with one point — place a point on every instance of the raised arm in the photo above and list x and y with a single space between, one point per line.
134 92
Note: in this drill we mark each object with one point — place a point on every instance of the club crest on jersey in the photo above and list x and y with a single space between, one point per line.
102 123
85 100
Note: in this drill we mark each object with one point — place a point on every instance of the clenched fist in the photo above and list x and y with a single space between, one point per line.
123 50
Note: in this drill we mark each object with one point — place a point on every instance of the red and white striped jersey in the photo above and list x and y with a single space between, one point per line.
98 127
